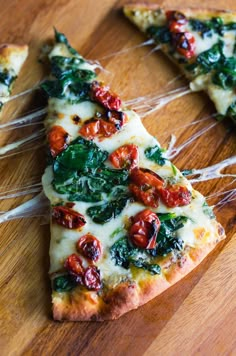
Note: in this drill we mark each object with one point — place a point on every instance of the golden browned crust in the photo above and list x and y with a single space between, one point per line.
200 13
84 305
13 56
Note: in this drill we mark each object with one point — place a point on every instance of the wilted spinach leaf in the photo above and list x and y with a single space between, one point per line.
125 255
155 154
63 283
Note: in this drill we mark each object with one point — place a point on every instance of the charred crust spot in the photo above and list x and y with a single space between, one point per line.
76 119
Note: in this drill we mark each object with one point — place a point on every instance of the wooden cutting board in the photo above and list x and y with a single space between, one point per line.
196 316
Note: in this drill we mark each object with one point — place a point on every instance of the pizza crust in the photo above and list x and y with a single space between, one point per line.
13 56
84 305
200 13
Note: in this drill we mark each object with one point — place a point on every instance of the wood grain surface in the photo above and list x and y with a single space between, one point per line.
197 315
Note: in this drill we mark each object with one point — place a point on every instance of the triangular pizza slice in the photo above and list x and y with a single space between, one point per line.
12 58
125 223
201 42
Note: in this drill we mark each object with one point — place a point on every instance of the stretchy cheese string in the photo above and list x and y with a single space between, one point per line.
229 197
25 120
14 145
31 148
36 206
213 172
155 49
126 50
145 105
174 151
20 191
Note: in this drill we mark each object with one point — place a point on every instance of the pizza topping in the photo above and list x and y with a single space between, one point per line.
167 239
67 217
184 43
90 247
90 128
126 156
175 195
155 154
58 140
145 185
103 125
92 278
125 255
73 265
176 21
103 95
102 213
144 230
64 283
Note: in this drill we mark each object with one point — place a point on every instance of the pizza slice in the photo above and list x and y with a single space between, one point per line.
12 58
202 43
125 223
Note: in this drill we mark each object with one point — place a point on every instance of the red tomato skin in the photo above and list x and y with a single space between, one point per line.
73 265
90 247
145 185
67 217
174 196
58 140
90 129
105 97
185 44
144 230
92 278
126 156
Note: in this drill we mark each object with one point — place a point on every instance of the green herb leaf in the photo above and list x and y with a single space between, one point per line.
167 240
7 78
187 172
103 213
155 154
159 33
150 267
61 38
81 154
125 255
63 283
208 210
209 59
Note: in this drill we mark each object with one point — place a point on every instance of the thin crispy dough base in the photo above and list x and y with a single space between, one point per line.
84 305
11 52
199 13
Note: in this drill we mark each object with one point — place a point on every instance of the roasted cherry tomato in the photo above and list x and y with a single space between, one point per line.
58 140
102 95
175 195
106 125
145 215
143 232
67 217
89 246
176 16
118 118
126 156
92 278
145 185
90 129
184 42
73 264
107 129
146 177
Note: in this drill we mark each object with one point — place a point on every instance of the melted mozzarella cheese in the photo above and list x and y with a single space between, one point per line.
63 241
